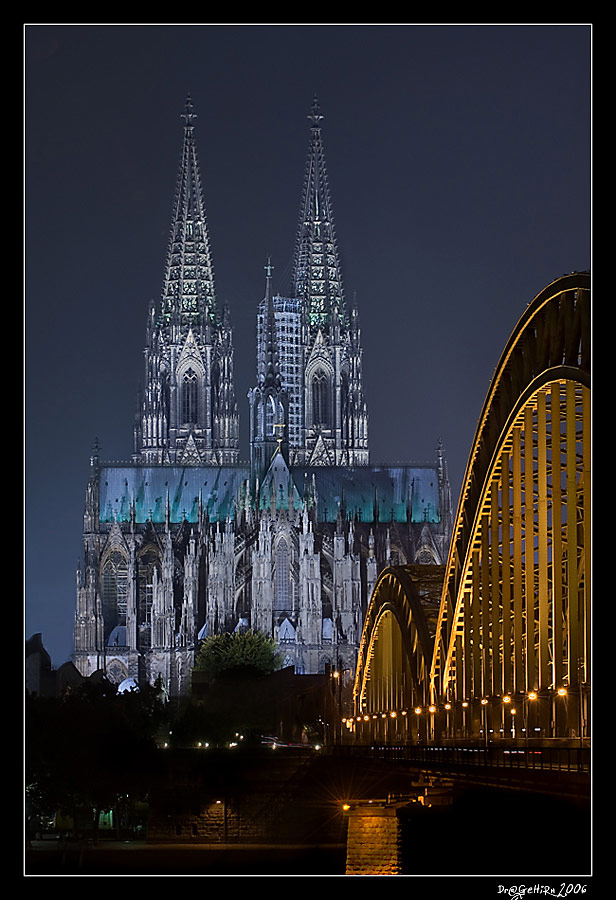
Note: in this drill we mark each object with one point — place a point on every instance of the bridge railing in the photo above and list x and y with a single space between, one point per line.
538 758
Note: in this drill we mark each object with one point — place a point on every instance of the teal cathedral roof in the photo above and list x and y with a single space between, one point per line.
369 494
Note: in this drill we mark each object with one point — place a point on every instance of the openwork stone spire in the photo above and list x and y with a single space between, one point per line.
188 289
269 376
316 269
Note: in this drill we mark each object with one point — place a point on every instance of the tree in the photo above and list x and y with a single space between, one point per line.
91 746
237 655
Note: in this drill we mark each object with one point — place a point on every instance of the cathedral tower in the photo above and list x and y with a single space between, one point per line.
188 412
335 427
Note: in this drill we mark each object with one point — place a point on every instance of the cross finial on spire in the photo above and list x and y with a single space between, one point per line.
188 115
269 267
315 115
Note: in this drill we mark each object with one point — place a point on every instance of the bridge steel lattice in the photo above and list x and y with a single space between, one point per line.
510 655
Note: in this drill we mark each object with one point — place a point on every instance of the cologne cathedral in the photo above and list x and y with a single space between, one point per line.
185 541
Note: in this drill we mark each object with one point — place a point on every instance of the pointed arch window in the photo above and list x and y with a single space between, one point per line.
148 573
283 580
321 406
190 397
114 590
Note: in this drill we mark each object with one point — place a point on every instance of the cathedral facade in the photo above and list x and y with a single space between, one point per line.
185 541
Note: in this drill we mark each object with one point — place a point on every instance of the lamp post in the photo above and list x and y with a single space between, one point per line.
451 723
530 698
430 729
337 676
506 707
581 701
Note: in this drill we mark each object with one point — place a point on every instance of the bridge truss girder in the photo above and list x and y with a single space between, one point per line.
511 654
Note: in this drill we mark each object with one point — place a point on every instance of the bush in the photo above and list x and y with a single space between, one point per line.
237 655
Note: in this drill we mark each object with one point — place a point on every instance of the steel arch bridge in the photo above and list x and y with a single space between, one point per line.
509 656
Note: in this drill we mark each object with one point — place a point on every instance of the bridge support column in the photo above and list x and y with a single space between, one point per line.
373 841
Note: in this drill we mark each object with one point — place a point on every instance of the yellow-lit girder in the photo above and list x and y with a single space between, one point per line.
515 611
396 649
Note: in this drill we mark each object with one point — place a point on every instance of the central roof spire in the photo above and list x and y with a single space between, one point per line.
270 373
188 295
316 268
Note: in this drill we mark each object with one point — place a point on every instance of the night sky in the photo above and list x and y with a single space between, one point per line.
459 168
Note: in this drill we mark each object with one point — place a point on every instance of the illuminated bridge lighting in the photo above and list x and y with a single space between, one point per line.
514 622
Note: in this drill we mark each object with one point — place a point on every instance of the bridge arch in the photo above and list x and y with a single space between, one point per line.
394 659
511 648
513 634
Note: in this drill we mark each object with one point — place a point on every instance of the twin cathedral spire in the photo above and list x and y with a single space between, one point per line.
308 400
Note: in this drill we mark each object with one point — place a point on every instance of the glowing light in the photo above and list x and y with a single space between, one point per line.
418 710
562 692
465 704
532 695
432 709
448 706
506 699
345 806
483 701
393 714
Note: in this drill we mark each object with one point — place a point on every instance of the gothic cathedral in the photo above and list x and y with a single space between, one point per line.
185 541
